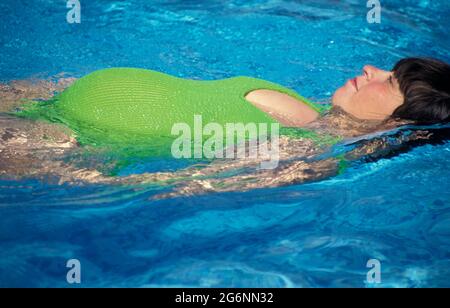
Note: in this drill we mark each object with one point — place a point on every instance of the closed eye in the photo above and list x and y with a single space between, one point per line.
394 86
390 81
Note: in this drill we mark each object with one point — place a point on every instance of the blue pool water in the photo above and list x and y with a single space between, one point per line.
395 210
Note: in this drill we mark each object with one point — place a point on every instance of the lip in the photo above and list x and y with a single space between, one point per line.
354 82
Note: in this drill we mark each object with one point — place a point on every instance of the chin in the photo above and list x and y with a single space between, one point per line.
337 97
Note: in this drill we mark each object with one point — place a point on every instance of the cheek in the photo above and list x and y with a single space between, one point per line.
372 102
367 104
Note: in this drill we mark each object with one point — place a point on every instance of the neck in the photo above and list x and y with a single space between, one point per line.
339 123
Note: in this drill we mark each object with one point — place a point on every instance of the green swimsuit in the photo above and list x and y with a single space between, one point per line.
131 106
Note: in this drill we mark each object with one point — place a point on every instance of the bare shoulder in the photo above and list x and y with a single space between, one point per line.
268 97
282 107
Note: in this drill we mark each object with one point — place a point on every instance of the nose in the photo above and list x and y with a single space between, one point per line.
374 73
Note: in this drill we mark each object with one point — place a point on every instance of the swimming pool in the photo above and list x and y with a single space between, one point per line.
321 234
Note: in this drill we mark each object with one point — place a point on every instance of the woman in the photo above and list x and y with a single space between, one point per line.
415 91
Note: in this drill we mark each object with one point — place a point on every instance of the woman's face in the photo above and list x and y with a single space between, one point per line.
372 96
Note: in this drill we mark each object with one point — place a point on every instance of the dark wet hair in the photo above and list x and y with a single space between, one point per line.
425 84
